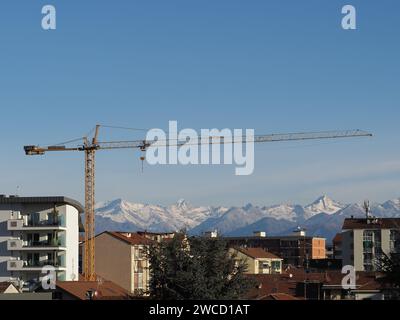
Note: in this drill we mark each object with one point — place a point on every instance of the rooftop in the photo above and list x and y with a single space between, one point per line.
60 200
280 297
257 253
104 290
372 223
287 284
130 238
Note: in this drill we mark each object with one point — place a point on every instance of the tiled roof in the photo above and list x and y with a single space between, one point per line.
280 297
257 253
104 290
130 238
379 223
287 283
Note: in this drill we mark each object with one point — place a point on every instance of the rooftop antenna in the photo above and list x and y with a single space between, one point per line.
367 209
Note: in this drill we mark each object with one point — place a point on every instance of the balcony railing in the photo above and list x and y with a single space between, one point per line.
21 265
18 244
43 223
20 224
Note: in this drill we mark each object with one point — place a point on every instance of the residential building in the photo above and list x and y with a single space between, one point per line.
364 241
121 257
296 249
36 232
258 260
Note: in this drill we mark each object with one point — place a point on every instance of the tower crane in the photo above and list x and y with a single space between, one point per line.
91 146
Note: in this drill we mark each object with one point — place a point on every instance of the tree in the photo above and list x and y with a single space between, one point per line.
389 265
196 269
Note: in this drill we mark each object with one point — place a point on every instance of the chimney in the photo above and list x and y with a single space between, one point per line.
299 232
211 234
260 234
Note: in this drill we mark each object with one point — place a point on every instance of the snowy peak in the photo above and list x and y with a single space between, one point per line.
392 204
323 204
182 205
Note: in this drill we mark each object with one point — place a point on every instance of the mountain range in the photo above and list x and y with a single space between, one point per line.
324 217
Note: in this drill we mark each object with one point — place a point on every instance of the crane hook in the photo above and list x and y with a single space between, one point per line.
142 158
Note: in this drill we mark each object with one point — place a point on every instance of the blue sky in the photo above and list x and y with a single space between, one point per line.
275 66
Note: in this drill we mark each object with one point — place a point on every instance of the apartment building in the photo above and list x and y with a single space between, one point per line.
36 232
121 257
364 240
258 260
295 249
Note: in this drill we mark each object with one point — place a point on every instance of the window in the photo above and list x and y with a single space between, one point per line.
395 241
140 285
139 276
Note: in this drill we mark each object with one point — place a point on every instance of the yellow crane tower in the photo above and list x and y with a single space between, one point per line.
90 146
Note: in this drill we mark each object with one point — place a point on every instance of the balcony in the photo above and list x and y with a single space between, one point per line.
21 225
20 245
21 265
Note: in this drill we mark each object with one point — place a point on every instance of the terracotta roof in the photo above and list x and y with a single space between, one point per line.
287 283
280 297
257 253
144 233
381 223
106 290
130 238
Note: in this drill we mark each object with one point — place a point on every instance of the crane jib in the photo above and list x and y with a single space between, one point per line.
90 148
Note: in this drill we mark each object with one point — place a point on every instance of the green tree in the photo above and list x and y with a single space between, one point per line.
196 269
389 265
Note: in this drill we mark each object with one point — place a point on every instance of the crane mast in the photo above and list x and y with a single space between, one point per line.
89 256
91 147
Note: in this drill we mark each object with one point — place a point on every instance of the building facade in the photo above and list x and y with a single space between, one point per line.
38 232
121 257
258 260
365 240
295 249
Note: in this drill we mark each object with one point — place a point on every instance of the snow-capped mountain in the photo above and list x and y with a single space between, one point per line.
323 217
125 216
323 205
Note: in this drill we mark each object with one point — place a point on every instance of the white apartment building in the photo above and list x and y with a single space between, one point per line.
364 241
36 232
